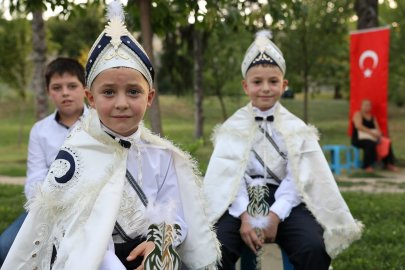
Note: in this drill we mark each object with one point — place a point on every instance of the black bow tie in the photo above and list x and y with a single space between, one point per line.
123 143
269 118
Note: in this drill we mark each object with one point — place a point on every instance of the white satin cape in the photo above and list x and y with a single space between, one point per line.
314 180
78 217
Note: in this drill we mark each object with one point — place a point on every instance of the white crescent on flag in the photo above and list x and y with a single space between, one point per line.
364 55
367 54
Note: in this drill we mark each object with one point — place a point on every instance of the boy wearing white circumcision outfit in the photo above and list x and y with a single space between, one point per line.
117 196
268 178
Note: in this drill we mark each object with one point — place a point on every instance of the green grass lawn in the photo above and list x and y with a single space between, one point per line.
11 204
381 247
330 116
383 243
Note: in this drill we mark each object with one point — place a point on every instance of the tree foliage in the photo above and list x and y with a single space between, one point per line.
316 43
78 32
15 51
394 15
313 35
223 57
16 66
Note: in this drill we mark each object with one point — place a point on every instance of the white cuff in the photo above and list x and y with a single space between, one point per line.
282 208
238 206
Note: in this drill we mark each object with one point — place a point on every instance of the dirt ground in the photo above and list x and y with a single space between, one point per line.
391 182
12 180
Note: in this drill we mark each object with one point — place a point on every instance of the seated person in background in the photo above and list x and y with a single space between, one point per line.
366 134
64 79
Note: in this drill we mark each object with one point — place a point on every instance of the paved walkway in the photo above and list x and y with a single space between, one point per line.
392 182
12 180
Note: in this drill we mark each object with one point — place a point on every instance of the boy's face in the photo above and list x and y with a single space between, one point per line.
67 93
121 97
264 85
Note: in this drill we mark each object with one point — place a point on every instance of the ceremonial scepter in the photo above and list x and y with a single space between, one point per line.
258 210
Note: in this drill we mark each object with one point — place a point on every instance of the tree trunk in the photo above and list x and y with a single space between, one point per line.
22 118
337 95
306 88
306 69
39 57
367 13
198 90
147 35
221 101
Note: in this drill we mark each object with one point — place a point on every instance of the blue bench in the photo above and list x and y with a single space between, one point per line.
336 164
248 260
355 154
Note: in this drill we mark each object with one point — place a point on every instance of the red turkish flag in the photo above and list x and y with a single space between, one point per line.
369 50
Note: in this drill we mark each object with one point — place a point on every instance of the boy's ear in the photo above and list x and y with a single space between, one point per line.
84 90
90 97
245 88
47 92
285 83
151 94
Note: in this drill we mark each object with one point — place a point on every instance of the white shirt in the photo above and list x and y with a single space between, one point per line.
159 178
159 183
287 196
46 138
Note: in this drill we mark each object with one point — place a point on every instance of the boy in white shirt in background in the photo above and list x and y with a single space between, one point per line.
65 84
268 179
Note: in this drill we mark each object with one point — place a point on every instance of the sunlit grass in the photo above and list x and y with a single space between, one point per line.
328 115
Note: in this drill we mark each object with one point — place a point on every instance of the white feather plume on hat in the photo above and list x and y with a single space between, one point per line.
115 9
117 53
264 32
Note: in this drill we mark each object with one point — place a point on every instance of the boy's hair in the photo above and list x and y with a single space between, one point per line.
264 65
63 65
267 65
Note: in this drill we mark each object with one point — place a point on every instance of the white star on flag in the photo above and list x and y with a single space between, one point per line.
367 73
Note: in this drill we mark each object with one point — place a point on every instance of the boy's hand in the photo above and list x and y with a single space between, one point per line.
248 234
271 232
142 250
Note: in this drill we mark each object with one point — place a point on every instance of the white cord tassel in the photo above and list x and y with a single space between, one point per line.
263 125
135 144
264 152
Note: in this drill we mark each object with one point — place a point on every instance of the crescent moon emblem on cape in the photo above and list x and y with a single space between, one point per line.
366 54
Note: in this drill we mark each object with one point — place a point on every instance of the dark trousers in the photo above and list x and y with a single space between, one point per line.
370 153
299 235
8 236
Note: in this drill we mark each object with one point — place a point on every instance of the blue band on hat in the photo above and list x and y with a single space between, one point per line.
127 41
262 58
104 41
